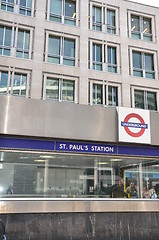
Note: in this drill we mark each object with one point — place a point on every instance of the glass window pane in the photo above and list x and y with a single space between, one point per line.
147 26
69 48
135 23
16 84
54 45
111 55
52 89
27 40
149 65
97 94
70 8
111 17
68 90
56 6
20 39
139 99
151 101
8 35
3 82
112 96
1 35
137 61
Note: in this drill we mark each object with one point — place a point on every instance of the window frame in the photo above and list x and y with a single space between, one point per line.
60 78
143 70
17 7
105 86
145 90
104 63
11 71
14 39
141 18
61 56
62 16
104 24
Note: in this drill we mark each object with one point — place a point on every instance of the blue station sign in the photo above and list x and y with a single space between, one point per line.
86 147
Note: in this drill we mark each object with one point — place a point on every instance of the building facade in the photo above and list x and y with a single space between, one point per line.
69 71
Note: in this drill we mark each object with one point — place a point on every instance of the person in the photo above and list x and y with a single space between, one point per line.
10 190
131 190
2 230
153 193
145 192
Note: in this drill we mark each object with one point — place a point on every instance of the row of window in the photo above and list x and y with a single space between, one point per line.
17 41
101 18
16 82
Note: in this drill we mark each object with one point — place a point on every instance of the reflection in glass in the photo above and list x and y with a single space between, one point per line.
151 101
63 11
97 94
3 82
73 175
70 12
52 89
145 100
68 90
112 96
58 89
135 27
139 99
141 28
19 84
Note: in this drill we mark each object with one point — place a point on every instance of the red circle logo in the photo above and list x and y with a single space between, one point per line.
133 134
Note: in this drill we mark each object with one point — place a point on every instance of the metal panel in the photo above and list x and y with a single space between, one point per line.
54 119
77 205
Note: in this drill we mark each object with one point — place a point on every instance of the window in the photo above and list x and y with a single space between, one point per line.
111 21
63 11
143 65
103 18
103 94
60 89
97 18
15 41
141 27
24 7
112 62
104 57
14 82
97 94
145 100
112 96
5 40
61 50
7 5
97 56
23 40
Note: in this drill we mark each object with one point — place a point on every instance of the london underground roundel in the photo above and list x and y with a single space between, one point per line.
133 125
140 125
